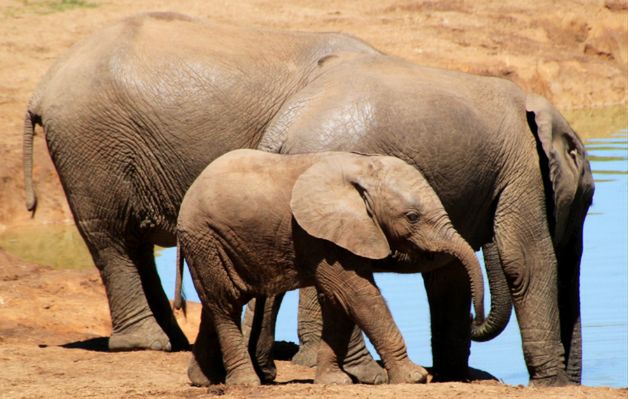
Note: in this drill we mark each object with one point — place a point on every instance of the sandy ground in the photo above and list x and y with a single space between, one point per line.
53 322
53 325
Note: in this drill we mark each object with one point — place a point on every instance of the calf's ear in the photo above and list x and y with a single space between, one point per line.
329 203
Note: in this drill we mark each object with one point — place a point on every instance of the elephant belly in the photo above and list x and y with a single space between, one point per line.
264 266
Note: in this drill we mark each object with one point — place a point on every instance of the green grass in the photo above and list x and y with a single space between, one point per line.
64 5
43 7
59 246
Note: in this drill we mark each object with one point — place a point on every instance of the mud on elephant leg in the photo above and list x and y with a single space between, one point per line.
449 298
134 325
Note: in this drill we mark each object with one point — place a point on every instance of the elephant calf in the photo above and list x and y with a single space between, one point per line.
259 224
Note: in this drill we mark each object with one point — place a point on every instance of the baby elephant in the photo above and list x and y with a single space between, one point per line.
259 224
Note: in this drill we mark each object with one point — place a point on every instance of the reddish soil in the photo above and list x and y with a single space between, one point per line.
53 325
53 321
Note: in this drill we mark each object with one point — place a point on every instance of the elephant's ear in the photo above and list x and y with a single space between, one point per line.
329 203
564 155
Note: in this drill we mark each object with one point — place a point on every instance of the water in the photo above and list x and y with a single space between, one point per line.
604 287
604 278
604 282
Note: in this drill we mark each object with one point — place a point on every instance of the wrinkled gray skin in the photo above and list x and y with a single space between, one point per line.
134 113
259 224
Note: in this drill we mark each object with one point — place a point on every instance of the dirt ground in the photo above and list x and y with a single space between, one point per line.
53 325
53 321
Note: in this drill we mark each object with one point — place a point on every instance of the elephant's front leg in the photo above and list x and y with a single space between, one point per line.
309 327
353 289
449 298
333 345
529 262
337 355
358 362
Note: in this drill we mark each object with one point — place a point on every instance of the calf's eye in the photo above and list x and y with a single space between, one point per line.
412 217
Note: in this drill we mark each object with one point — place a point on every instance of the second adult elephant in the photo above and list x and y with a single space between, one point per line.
132 114
512 175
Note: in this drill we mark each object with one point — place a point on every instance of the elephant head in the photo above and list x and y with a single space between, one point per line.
569 191
375 205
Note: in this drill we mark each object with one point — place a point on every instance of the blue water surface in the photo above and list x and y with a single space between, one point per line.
604 288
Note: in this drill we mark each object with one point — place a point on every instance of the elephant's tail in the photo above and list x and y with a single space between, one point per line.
179 302
501 304
27 152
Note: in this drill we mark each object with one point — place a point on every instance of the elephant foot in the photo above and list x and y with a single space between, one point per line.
367 372
178 340
266 372
332 377
148 336
307 354
242 377
407 373
200 378
559 380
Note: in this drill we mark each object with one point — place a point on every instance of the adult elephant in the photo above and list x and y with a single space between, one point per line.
134 113
512 175
511 172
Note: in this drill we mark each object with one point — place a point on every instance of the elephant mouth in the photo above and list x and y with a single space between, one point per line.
403 262
404 257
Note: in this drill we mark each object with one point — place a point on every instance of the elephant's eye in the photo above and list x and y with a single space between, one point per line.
412 216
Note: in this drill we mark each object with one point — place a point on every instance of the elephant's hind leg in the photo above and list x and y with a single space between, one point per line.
206 367
259 331
157 300
133 324
222 309
236 359
103 204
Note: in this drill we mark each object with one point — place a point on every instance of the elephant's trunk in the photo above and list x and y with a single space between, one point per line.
501 304
569 258
465 254
27 153
447 240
